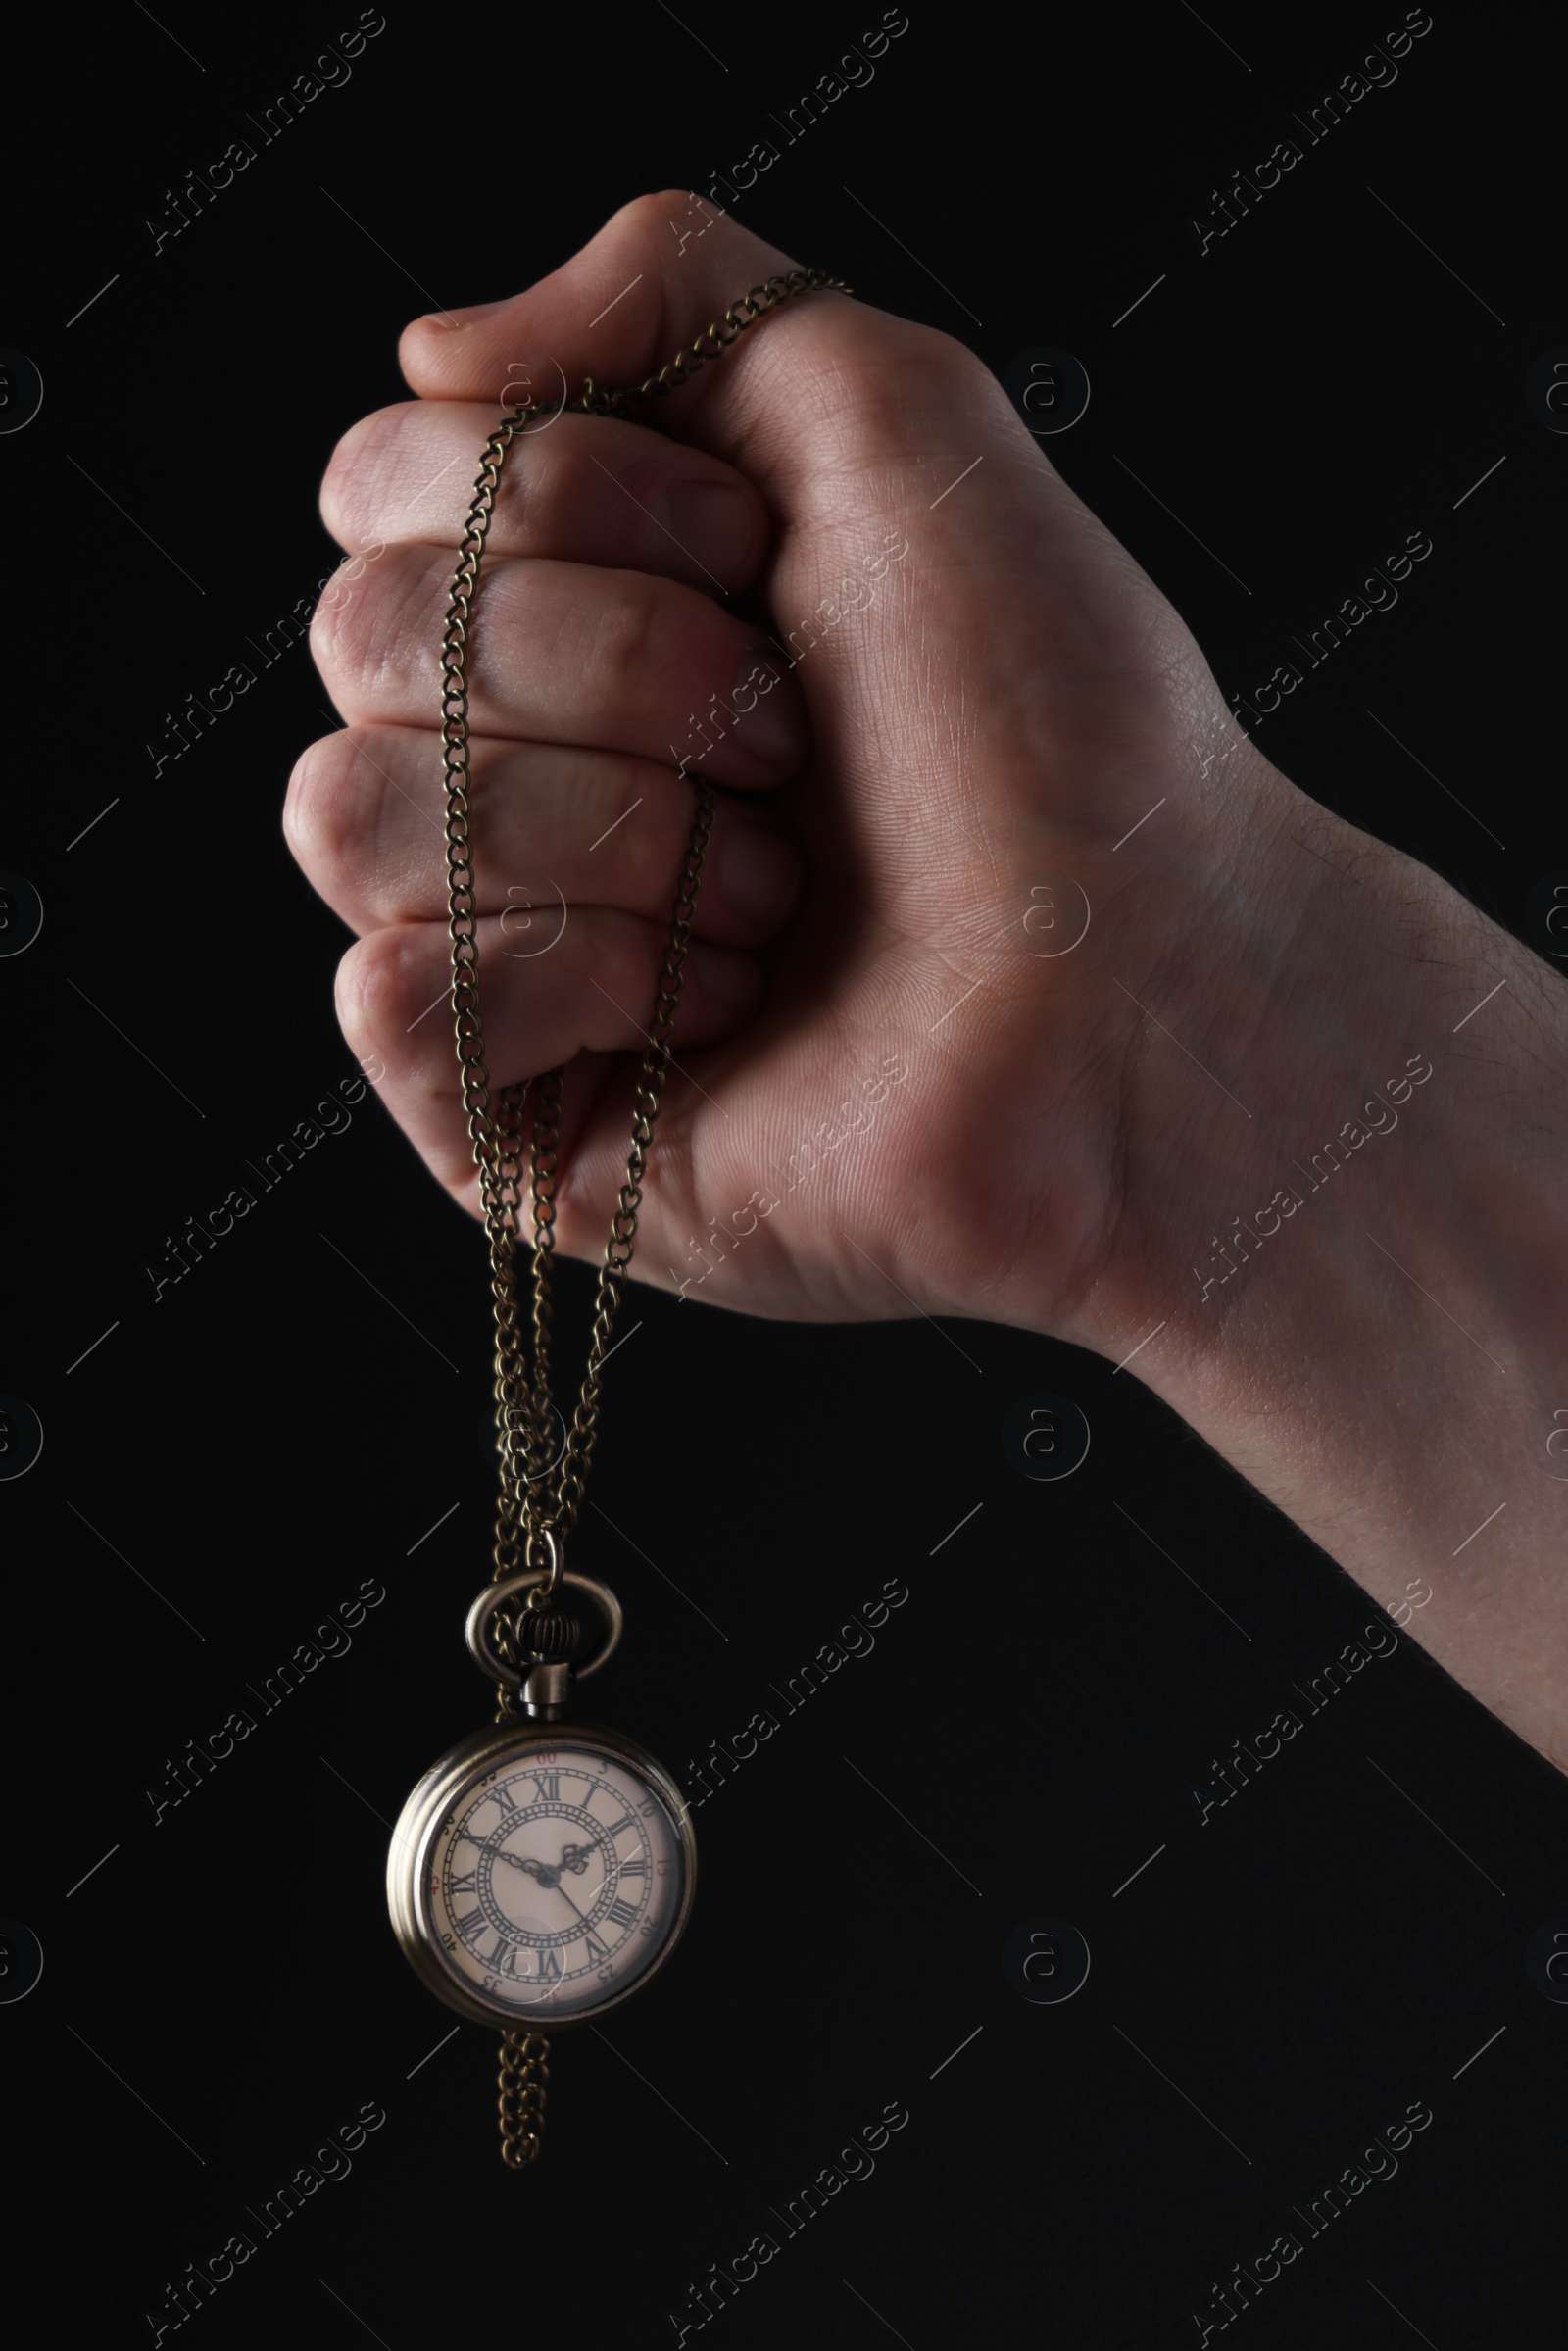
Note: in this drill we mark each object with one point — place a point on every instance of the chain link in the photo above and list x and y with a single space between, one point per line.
524 2078
535 1493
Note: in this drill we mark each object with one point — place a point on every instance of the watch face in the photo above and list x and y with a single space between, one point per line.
555 1877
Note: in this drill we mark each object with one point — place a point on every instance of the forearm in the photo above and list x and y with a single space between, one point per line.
1361 1269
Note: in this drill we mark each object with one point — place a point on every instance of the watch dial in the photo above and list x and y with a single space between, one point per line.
555 1880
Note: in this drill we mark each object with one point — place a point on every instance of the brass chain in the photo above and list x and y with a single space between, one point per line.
537 1496
524 2076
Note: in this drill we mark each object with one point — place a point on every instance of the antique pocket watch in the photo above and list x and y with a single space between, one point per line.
541 1872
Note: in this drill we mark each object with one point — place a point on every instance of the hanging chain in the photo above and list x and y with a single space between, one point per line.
538 1496
525 2078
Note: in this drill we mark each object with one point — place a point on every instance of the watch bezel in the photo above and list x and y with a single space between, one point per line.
422 1817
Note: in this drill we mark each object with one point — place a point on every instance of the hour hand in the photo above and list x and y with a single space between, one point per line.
525 1861
575 1858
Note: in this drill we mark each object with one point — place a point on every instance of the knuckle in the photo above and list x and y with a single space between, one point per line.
324 809
371 991
932 348
532 484
625 639
365 632
357 470
361 470
880 380
645 216
327 633
961 378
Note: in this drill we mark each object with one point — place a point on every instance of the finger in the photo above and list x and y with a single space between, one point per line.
617 310
587 987
583 489
564 652
366 819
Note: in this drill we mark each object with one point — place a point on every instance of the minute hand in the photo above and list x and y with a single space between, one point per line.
560 1890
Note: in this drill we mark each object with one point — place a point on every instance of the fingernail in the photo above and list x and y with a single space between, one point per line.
708 521
732 981
758 868
768 721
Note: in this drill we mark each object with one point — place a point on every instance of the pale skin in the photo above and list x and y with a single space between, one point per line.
914 819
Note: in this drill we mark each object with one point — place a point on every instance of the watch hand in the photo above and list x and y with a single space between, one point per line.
546 1872
575 1858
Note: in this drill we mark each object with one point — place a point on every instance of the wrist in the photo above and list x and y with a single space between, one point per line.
1292 1020
1339 1246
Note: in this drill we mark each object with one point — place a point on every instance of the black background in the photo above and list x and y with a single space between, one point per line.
233 1459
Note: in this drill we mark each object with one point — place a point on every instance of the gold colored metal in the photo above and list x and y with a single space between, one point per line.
536 1500
524 2078
487 1626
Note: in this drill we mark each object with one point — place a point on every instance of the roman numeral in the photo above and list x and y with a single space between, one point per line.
550 1963
492 1958
546 1786
625 1822
468 1883
596 1949
504 1796
636 1867
623 1914
472 1923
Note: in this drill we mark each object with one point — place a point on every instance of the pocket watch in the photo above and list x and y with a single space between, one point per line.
543 1869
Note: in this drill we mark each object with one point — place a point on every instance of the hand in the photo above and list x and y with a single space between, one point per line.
577 1858
894 1093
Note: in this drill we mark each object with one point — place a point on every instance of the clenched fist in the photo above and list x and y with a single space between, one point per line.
934 691
1019 976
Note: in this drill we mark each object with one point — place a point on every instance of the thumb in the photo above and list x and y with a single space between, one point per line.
658 273
822 385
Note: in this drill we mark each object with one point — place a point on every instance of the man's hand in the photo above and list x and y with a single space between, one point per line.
1021 975
958 691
